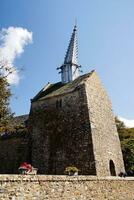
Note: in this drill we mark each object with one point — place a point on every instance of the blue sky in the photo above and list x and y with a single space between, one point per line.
105 42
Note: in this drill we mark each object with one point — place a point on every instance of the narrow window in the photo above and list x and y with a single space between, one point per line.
112 168
60 103
57 104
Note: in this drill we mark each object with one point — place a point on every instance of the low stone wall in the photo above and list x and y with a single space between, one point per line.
41 187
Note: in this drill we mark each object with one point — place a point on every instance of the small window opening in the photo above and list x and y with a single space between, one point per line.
59 104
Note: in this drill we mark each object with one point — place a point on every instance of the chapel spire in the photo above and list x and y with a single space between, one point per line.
70 68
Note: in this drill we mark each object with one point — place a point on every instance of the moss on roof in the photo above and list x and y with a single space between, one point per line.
60 88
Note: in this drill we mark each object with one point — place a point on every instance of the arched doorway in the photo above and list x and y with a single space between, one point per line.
112 168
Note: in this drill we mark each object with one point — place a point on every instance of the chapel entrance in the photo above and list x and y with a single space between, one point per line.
112 168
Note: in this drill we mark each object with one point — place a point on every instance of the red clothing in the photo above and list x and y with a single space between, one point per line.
26 166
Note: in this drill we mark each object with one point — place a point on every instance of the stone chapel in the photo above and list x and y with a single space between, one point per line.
72 123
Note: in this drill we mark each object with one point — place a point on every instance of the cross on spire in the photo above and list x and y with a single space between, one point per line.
70 68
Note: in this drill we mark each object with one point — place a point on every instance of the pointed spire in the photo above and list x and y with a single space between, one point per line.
70 68
72 51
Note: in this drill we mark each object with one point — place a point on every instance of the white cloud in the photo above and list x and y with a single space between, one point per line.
128 122
12 43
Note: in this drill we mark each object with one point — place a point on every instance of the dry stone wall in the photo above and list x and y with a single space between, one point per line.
65 188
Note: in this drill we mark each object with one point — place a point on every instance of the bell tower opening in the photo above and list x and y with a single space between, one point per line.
112 168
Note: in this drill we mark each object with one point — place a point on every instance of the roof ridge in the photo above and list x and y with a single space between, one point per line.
58 88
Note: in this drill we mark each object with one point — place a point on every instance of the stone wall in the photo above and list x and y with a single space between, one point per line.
14 149
16 187
60 136
106 144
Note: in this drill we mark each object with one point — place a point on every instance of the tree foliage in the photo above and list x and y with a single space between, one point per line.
128 154
127 144
5 113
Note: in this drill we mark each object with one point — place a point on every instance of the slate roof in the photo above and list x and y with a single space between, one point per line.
51 90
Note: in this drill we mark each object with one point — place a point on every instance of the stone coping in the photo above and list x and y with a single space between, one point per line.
58 178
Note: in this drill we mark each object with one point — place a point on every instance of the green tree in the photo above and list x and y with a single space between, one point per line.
126 136
128 155
5 113
120 125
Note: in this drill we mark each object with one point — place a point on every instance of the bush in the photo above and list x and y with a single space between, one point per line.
71 169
